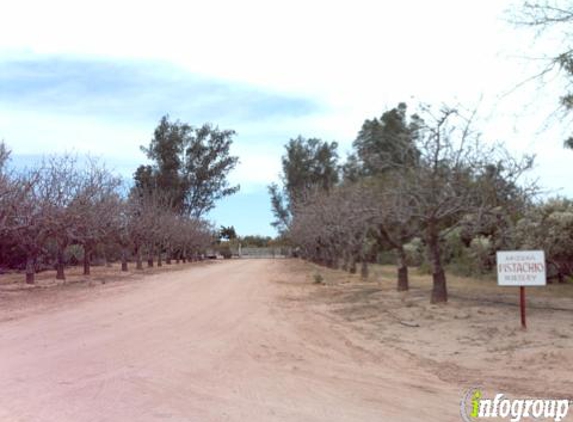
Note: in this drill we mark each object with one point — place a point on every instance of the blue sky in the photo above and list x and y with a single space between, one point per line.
96 78
136 93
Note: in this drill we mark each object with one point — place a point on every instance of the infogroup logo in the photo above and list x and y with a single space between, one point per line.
474 406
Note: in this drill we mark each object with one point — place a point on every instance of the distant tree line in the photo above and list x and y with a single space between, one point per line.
65 210
248 241
230 243
425 187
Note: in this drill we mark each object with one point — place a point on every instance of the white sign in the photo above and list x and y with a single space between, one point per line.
521 268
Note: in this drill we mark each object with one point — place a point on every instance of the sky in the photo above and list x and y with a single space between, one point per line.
96 78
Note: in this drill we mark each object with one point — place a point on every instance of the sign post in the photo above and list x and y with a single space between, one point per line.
522 305
521 268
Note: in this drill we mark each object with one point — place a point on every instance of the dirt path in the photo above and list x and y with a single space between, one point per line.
223 342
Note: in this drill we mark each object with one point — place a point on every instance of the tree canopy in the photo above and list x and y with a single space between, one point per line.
387 142
190 164
308 164
417 179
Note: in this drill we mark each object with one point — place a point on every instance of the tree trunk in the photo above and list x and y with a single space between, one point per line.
352 265
403 282
87 252
107 261
184 256
150 258
30 270
138 259
159 261
345 263
124 259
439 290
364 269
60 275
168 257
560 275
177 257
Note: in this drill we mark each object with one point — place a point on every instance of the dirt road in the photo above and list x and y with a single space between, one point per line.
221 342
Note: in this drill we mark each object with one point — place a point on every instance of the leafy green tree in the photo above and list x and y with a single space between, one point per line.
190 164
4 156
227 233
256 241
385 143
308 165
280 208
385 146
352 170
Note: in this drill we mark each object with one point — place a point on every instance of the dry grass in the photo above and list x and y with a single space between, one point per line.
461 288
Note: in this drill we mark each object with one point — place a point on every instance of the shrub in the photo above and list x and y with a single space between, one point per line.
318 279
415 252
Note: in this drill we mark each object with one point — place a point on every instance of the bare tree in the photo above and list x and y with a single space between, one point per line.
198 235
449 181
59 203
551 20
14 188
171 224
333 226
63 178
395 224
135 214
29 220
94 208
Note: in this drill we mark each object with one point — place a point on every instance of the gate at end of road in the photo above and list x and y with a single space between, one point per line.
268 252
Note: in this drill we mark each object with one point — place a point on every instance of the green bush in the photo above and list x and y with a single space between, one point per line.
318 279
415 256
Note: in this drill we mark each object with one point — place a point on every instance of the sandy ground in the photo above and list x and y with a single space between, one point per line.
474 340
256 340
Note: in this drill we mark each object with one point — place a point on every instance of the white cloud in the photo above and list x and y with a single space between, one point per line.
333 49
357 57
30 132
